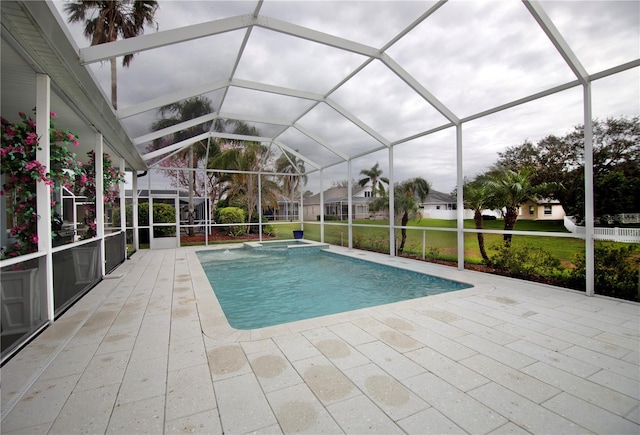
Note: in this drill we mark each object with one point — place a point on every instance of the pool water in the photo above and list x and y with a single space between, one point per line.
257 289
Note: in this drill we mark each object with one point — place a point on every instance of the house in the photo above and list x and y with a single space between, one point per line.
438 205
336 204
542 209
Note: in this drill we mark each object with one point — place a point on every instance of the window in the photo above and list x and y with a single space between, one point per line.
367 194
531 210
547 210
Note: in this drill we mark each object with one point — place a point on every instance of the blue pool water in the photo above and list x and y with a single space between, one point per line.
258 289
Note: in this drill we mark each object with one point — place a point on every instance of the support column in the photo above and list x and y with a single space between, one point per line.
43 192
123 208
392 208
588 193
98 150
322 205
349 205
460 198
134 209
259 207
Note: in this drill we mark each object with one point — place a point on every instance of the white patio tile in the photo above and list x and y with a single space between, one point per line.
589 416
273 370
465 411
341 354
392 337
390 360
556 359
119 339
359 415
598 359
299 411
386 392
143 379
491 334
189 391
41 404
623 384
71 361
204 423
446 346
593 344
509 429
512 379
104 369
505 355
186 353
227 361
429 421
86 411
328 383
351 333
452 372
296 347
601 396
524 412
628 341
242 405
141 417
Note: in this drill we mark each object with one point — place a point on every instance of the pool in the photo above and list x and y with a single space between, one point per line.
260 288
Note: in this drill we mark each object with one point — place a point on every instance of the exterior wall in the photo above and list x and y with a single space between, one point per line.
533 211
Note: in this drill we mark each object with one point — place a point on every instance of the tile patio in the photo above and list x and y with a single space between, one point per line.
150 351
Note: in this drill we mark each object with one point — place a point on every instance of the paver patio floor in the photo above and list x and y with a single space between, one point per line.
150 351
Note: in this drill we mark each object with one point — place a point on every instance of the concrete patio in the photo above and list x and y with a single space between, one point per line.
149 351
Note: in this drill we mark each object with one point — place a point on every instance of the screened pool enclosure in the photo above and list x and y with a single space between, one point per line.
293 99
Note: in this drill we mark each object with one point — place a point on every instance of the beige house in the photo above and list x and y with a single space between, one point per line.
543 209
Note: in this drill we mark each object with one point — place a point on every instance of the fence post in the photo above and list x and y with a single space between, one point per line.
424 243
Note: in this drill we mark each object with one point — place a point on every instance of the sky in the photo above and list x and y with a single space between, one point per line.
471 55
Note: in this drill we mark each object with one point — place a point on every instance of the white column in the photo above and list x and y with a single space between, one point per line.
349 205
259 207
322 205
460 199
98 149
134 209
43 192
392 211
588 193
123 208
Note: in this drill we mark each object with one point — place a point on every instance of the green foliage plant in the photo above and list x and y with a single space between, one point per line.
616 271
233 215
523 261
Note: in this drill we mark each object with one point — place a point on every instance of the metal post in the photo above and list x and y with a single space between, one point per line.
322 206
349 205
134 209
460 199
43 192
98 150
588 194
392 213
123 208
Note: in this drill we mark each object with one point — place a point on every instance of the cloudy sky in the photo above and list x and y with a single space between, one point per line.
471 55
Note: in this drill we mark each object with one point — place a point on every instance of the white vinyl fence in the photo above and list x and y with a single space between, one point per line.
629 235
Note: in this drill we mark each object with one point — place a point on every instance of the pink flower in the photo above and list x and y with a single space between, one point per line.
80 164
53 114
31 139
70 136
76 143
34 238
31 122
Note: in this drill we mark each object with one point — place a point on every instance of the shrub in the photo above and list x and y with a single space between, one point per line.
328 217
616 271
524 261
233 215
162 213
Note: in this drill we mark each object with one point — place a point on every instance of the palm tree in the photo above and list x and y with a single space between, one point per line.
510 189
176 113
405 202
288 163
476 198
242 186
111 20
373 176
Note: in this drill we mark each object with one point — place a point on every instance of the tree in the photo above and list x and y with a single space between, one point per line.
405 202
110 20
245 160
288 163
616 165
508 190
373 176
476 197
177 113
